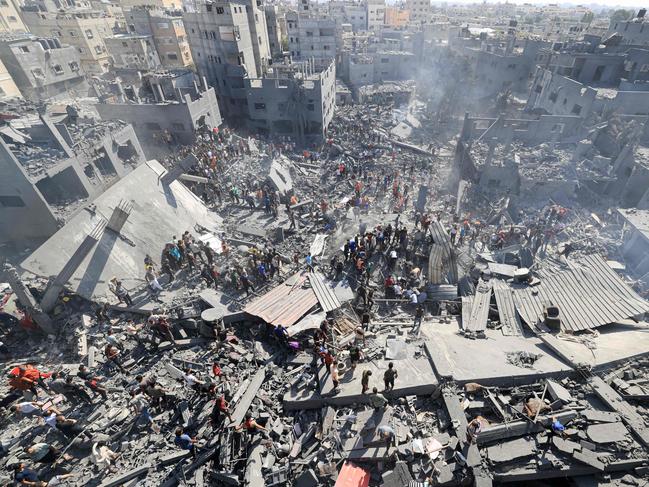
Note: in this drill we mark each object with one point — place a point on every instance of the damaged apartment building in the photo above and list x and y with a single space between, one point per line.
595 77
163 107
230 47
42 68
53 162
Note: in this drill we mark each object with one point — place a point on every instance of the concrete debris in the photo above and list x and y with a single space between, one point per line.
414 300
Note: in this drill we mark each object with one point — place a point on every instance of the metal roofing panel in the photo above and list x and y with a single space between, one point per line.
479 307
324 293
507 310
588 296
286 303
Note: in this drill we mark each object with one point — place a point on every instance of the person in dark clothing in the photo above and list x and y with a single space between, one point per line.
389 376
74 392
91 381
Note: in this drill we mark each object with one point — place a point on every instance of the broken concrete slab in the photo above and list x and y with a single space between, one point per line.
607 433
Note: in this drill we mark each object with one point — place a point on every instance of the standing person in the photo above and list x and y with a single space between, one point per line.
365 381
354 356
152 281
335 379
118 289
419 315
140 406
389 376
245 282
221 408
112 355
387 434
309 263
185 442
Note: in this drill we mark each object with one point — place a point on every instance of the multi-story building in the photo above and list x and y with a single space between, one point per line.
132 51
297 101
167 30
396 17
420 10
310 37
49 168
10 20
43 69
634 32
375 14
274 33
229 42
170 109
162 4
85 29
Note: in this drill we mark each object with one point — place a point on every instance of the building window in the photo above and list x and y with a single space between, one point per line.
82 50
24 48
172 56
309 33
99 49
11 18
74 66
152 126
124 44
73 33
260 106
4 3
310 107
538 88
178 126
576 109
384 60
219 10
57 69
89 34
11 202
553 97
38 73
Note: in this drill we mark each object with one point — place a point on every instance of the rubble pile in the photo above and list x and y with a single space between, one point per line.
344 320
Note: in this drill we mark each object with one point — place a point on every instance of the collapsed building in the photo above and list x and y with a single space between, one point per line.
55 161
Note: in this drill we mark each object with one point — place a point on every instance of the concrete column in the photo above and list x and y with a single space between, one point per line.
27 300
56 286
119 216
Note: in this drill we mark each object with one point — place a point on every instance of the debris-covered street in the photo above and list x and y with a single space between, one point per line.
391 307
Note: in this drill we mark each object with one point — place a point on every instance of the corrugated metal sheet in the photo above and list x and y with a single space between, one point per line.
286 303
509 318
442 256
323 292
479 307
466 310
588 296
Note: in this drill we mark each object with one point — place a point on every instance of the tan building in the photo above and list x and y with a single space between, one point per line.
84 29
395 17
133 52
10 20
8 88
164 4
167 31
